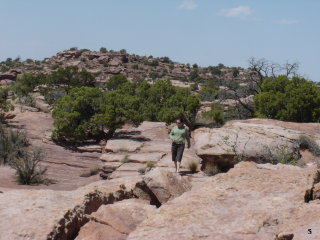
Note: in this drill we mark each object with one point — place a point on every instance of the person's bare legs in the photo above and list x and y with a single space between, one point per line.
178 166
175 164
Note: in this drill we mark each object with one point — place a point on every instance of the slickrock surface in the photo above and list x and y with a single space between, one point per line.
133 148
252 201
48 214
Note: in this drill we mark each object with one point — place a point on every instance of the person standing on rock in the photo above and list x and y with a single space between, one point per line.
179 134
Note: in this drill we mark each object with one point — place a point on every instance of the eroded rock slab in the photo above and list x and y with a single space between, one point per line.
245 141
57 215
118 219
252 201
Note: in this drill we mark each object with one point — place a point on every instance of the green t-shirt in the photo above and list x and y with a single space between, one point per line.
179 135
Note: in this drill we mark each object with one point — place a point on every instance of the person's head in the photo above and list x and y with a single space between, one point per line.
179 122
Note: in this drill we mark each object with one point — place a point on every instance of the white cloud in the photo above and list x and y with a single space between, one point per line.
240 12
188 4
288 21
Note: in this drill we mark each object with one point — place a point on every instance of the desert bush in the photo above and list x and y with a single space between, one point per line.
123 51
215 114
5 104
285 155
103 50
166 60
51 95
150 165
306 142
26 83
12 144
208 94
70 77
28 170
285 99
116 81
141 171
27 100
153 63
125 159
91 172
193 166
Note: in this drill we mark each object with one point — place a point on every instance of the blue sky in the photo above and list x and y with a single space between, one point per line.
206 32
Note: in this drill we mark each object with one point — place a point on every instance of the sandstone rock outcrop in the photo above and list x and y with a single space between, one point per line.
252 201
246 140
47 214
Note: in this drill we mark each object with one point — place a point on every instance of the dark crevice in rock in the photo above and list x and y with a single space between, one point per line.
309 194
69 226
67 164
144 192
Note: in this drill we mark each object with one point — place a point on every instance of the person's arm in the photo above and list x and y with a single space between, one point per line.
188 138
171 134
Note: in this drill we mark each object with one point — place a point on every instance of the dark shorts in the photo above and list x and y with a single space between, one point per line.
177 151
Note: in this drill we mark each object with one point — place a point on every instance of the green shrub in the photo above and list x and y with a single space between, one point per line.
215 114
103 50
26 83
141 171
150 165
70 77
12 144
28 100
123 51
306 142
5 104
152 63
287 99
193 166
28 170
116 81
285 155
166 60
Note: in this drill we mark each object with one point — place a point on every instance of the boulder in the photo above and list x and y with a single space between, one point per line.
237 141
69 54
115 62
166 185
10 75
251 201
